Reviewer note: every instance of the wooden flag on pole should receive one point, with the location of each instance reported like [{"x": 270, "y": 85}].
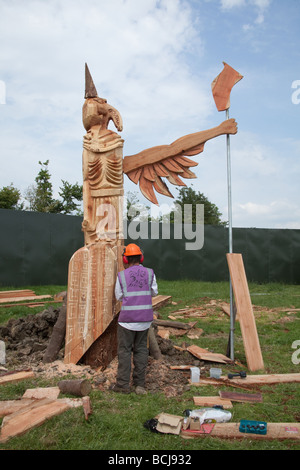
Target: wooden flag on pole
[{"x": 222, "y": 86}]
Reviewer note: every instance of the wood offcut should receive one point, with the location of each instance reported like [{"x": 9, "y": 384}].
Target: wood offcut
[{"x": 245, "y": 311}]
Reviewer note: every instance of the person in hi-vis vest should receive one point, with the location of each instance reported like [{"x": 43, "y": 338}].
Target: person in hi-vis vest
[{"x": 135, "y": 286}]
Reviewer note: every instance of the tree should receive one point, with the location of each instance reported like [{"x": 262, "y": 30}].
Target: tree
[
  {"x": 10, "y": 197},
  {"x": 212, "y": 215},
  {"x": 40, "y": 195},
  {"x": 68, "y": 193},
  {"x": 135, "y": 210}
]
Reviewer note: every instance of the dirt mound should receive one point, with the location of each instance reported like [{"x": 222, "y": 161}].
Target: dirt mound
[{"x": 26, "y": 340}]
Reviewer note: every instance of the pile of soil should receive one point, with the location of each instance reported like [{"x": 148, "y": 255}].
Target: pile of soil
[{"x": 26, "y": 340}]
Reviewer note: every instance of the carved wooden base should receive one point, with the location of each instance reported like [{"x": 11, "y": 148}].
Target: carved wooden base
[
  {"x": 91, "y": 305},
  {"x": 104, "y": 349}
]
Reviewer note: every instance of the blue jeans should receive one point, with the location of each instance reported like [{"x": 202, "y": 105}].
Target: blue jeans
[{"x": 132, "y": 345}]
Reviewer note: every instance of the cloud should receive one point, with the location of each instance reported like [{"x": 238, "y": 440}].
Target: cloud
[
  {"x": 279, "y": 213},
  {"x": 260, "y": 7},
  {"x": 135, "y": 51},
  {"x": 229, "y": 4}
]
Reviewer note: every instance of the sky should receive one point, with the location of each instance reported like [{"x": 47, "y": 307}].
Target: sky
[{"x": 154, "y": 61}]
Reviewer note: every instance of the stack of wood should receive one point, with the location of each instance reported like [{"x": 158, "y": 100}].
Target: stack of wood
[
  {"x": 39, "y": 404},
  {"x": 26, "y": 297}
]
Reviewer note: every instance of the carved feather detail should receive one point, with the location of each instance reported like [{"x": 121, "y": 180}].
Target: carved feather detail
[
  {"x": 170, "y": 161},
  {"x": 150, "y": 176}
]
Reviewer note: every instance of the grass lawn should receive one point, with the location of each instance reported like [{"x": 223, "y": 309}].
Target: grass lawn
[{"x": 117, "y": 421}]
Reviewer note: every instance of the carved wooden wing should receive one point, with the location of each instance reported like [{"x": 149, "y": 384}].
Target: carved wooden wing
[
  {"x": 170, "y": 161},
  {"x": 150, "y": 175}
]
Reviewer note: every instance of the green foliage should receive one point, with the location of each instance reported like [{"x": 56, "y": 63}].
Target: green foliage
[
  {"x": 135, "y": 210},
  {"x": 69, "y": 193},
  {"x": 10, "y": 197},
  {"x": 212, "y": 215},
  {"x": 40, "y": 195}
]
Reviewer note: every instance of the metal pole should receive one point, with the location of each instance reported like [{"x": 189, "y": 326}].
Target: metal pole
[{"x": 230, "y": 241}]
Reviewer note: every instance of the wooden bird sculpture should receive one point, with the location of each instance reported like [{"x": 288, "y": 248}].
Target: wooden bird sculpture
[{"x": 91, "y": 305}]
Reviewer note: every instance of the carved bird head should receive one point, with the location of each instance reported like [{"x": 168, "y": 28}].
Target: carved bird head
[{"x": 96, "y": 111}]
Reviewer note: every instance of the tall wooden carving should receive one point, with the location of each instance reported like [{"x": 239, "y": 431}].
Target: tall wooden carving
[{"x": 91, "y": 306}]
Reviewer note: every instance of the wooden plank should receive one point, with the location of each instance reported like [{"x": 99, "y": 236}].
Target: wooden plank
[
  {"x": 277, "y": 431},
  {"x": 183, "y": 367},
  {"x": 245, "y": 311},
  {"x": 26, "y": 298},
  {"x": 205, "y": 355},
  {"x": 175, "y": 324},
  {"x": 31, "y": 304},
  {"x": 30, "y": 416},
  {"x": 8, "y": 407},
  {"x": 160, "y": 300},
  {"x": 87, "y": 407},
  {"x": 15, "y": 377},
  {"x": 16, "y": 293},
  {"x": 270, "y": 379},
  {"x": 241, "y": 397},
  {"x": 212, "y": 401},
  {"x": 42, "y": 392}
]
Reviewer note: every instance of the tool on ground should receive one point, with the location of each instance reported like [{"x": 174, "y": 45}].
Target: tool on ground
[
  {"x": 254, "y": 427},
  {"x": 241, "y": 374}
]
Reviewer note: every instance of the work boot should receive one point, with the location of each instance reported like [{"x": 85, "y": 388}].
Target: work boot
[
  {"x": 140, "y": 390},
  {"x": 116, "y": 388}
]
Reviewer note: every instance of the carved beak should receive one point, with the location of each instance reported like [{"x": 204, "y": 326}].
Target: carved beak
[{"x": 115, "y": 116}]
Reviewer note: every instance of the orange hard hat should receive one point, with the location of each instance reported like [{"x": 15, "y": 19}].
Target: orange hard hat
[{"x": 132, "y": 250}]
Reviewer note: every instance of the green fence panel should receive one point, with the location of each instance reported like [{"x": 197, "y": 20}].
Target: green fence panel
[{"x": 35, "y": 249}]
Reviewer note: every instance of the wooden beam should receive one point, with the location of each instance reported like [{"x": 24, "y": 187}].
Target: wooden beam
[
  {"x": 212, "y": 401},
  {"x": 4, "y": 294},
  {"x": 245, "y": 311},
  {"x": 175, "y": 324},
  {"x": 241, "y": 397},
  {"x": 32, "y": 415},
  {"x": 270, "y": 379},
  {"x": 276, "y": 431},
  {"x": 160, "y": 300},
  {"x": 205, "y": 355},
  {"x": 26, "y": 298},
  {"x": 15, "y": 376}
]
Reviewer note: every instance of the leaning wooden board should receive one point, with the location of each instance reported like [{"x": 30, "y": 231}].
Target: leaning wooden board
[
  {"x": 231, "y": 430},
  {"x": 205, "y": 355},
  {"x": 245, "y": 311}
]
